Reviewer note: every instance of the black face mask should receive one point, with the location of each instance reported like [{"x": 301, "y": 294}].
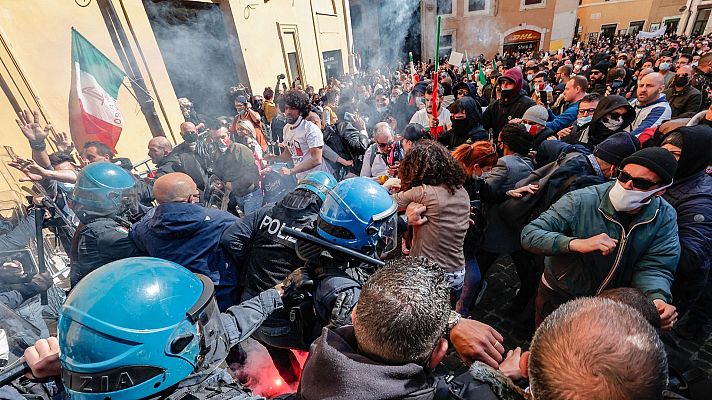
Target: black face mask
[
  {"x": 682, "y": 80},
  {"x": 190, "y": 137},
  {"x": 461, "y": 125},
  {"x": 507, "y": 93}
]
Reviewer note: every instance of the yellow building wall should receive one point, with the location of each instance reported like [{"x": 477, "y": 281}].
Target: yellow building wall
[
  {"x": 37, "y": 67},
  {"x": 621, "y": 12},
  {"x": 36, "y": 59},
  {"x": 263, "y": 29}
]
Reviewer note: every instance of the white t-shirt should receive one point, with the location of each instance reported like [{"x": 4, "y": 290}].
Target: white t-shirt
[
  {"x": 301, "y": 137},
  {"x": 422, "y": 117}
]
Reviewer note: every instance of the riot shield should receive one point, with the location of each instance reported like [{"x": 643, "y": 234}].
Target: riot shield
[
  {"x": 276, "y": 185},
  {"x": 19, "y": 259},
  {"x": 16, "y": 334}
]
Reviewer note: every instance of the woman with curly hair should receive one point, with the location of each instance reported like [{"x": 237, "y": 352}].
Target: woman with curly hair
[{"x": 432, "y": 177}]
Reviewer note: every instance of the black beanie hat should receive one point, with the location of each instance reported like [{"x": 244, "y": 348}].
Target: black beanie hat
[
  {"x": 415, "y": 132},
  {"x": 617, "y": 147},
  {"x": 656, "y": 159}
]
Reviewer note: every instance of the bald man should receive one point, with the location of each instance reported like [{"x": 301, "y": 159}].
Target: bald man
[
  {"x": 186, "y": 233},
  {"x": 190, "y": 157},
  {"x": 685, "y": 101},
  {"x": 158, "y": 149},
  {"x": 587, "y": 347},
  {"x": 651, "y": 106},
  {"x": 175, "y": 187}
]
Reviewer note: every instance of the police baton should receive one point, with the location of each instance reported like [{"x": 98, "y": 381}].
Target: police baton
[
  {"x": 41, "y": 266},
  {"x": 14, "y": 371},
  {"x": 331, "y": 246}
]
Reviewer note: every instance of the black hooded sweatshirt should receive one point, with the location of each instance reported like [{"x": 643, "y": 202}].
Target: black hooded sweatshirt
[
  {"x": 465, "y": 131},
  {"x": 595, "y": 132},
  {"x": 508, "y": 107}
]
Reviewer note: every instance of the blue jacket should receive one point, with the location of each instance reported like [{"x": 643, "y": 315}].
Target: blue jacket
[
  {"x": 189, "y": 234},
  {"x": 565, "y": 119},
  {"x": 646, "y": 256}
]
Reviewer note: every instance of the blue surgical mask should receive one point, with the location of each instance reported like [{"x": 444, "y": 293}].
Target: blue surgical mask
[
  {"x": 584, "y": 120},
  {"x": 664, "y": 66}
]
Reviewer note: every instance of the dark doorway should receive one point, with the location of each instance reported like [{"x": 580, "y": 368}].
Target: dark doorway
[
  {"x": 608, "y": 31},
  {"x": 333, "y": 64},
  {"x": 194, "y": 45}
]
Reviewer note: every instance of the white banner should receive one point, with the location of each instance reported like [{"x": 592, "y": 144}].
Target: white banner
[{"x": 651, "y": 35}]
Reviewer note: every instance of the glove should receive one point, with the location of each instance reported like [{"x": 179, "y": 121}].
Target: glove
[
  {"x": 297, "y": 286},
  {"x": 341, "y": 313},
  {"x": 40, "y": 283}
]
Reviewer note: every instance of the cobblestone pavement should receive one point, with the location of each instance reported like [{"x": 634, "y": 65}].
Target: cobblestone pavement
[{"x": 502, "y": 283}]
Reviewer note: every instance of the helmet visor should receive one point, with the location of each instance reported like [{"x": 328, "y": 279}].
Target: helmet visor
[
  {"x": 387, "y": 235},
  {"x": 212, "y": 337}
]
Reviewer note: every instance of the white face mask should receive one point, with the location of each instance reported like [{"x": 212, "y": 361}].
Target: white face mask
[
  {"x": 612, "y": 124},
  {"x": 620, "y": 63},
  {"x": 584, "y": 120},
  {"x": 624, "y": 200}
]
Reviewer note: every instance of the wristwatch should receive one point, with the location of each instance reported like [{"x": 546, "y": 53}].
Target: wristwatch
[{"x": 452, "y": 320}]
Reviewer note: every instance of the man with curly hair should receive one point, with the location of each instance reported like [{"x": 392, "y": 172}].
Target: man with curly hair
[{"x": 304, "y": 140}]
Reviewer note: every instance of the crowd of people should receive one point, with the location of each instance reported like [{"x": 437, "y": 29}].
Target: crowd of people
[{"x": 358, "y": 223}]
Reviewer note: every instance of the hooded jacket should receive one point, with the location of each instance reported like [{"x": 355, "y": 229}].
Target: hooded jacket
[
  {"x": 645, "y": 258},
  {"x": 471, "y": 129},
  {"x": 499, "y": 113},
  {"x": 335, "y": 370},
  {"x": 595, "y": 132},
  {"x": 189, "y": 234},
  {"x": 472, "y": 88},
  {"x": 691, "y": 196}
]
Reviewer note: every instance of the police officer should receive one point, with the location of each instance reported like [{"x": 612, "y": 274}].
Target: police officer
[
  {"x": 143, "y": 328},
  {"x": 104, "y": 196},
  {"x": 358, "y": 214},
  {"x": 267, "y": 256}
]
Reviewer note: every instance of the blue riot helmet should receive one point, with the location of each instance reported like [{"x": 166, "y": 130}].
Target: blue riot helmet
[
  {"x": 103, "y": 189},
  {"x": 318, "y": 182},
  {"x": 359, "y": 214},
  {"x": 136, "y": 327}
]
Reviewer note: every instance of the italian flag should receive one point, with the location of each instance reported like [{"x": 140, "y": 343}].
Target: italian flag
[{"x": 93, "y": 112}]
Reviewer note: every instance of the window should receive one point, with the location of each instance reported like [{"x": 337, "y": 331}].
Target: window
[
  {"x": 476, "y": 5},
  {"x": 635, "y": 27},
  {"x": 444, "y": 7},
  {"x": 526, "y": 4},
  {"x": 325, "y": 7},
  {"x": 445, "y": 45}
]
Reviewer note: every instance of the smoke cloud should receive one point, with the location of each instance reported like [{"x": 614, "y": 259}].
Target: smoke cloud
[
  {"x": 397, "y": 33},
  {"x": 195, "y": 49}
]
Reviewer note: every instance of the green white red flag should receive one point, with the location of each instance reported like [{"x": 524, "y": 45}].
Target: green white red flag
[{"x": 94, "y": 114}]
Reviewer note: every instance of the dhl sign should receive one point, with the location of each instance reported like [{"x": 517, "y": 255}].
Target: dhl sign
[{"x": 522, "y": 36}]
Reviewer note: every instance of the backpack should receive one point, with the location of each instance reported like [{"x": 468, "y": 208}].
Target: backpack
[{"x": 519, "y": 212}]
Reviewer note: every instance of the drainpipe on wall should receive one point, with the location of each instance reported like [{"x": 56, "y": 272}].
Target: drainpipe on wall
[
  {"x": 128, "y": 60},
  {"x": 349, "y": 37}
]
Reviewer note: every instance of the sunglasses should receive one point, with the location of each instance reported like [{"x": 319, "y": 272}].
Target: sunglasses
[
  {"x": 617, "y": 115},
  {"x": 638, "y": 183},
  {"x": 584, "y": 111}
]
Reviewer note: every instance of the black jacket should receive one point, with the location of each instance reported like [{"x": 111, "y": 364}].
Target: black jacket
[
  {"x": 348, "y": 143},
  {"x": 183, "y": 159},
  {"x": 498, "y": 114},
  {"x": 691, "y": 196},
  {"x": 684, "y": 104},
  {"x": 471, "y": 129},
  {"x": 336, "y": 370}
]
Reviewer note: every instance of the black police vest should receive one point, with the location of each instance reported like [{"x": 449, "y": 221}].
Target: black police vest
[{"x": 273, "y": 257}]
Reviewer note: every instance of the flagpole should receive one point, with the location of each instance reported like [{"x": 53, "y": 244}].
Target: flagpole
[{"x": 435, "y": 97}]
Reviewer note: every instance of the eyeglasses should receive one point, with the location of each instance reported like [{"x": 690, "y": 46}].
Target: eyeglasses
[
  {"x": 585, "y": 111},
  {"x": 382, "y": 145},
  {"x": 616, "y": 115},
  {"x": 638, "y": 183}
]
